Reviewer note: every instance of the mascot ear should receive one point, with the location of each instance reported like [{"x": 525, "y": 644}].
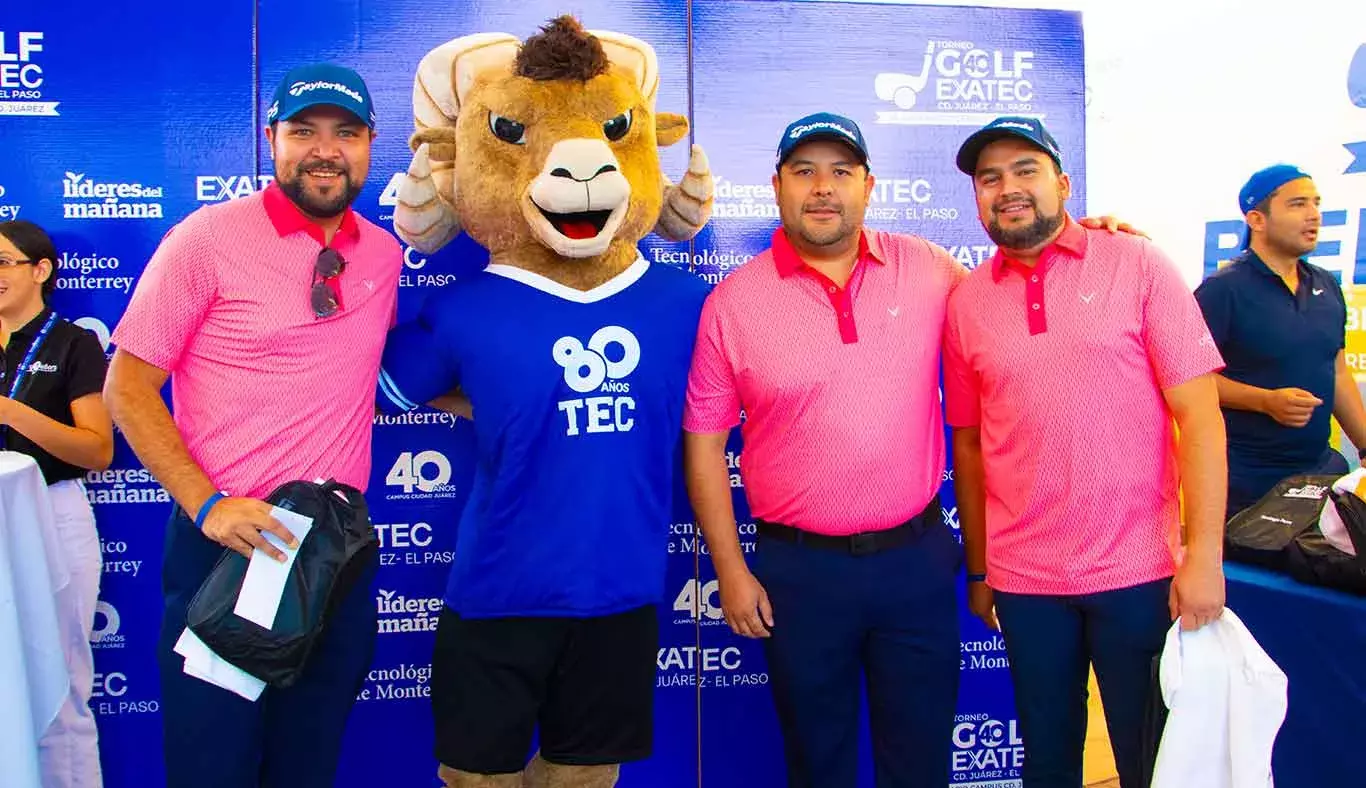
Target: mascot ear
[
  {"x": 670, "y": 128},
  {"x": 425, "y": 215},
  {"x": 635, "y": 57}
]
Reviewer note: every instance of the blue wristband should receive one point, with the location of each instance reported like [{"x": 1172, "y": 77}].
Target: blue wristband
[
  {"x": 977, "y": 578},
  {"x": 204, "y": 510}
]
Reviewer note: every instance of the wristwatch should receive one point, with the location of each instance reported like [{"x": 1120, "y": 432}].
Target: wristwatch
[{"x": 975, "y": 578}]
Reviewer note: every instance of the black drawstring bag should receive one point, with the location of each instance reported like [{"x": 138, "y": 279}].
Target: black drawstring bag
[
  {"x": 1281, "y": 532},
  {"x": 337, "y": 549}
]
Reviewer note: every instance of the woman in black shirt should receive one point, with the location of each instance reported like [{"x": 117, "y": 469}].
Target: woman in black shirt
[{"x": 51, "y": 409}]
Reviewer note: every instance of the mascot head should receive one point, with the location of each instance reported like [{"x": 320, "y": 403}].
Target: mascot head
[{"x": 546, "y": 153}]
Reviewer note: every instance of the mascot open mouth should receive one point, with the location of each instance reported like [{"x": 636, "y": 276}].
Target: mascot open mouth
[{"x": 579, "y": 225}]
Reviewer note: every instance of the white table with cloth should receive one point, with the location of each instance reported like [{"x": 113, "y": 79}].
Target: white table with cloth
[{"x": 33, "y": 674}]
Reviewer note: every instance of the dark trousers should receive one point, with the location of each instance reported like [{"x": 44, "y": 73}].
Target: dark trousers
[
  {"x": 288, "y": 738},
  {"x": 1051, "y": 640},
  {"x": 887, "y": 620}
]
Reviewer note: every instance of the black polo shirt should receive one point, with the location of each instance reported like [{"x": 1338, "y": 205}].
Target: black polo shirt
[
  {"x": 1273, "y": 338},
  {"x": 68, "y": 365}
]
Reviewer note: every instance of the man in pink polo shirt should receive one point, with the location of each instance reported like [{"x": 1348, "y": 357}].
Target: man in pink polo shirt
[
  {"x": 269, "y": 315},
  {"x": 1067, "y": 358},
  {"x": 830, "y": 343}
]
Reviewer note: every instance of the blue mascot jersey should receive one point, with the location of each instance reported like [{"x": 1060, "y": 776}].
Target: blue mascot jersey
[{"x": 578, "y": 411}]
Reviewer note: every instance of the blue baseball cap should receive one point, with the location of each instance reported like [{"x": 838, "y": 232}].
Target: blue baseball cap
[
  {"x": 1263, "y": 184},
  {"x": 822, "y": 126},
  {"x": 321, "y": 84},
  {"x": 1029, "y": 129}
]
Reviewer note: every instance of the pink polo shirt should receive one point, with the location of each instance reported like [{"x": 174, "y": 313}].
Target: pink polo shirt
[
  {"x": 1063, "y": 367},
  {"x": 262, "y": 391},
  {"x": 842, "y": 430}
]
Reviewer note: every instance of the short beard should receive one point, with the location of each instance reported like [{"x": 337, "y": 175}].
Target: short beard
[
  {"x": 1028, "y": 237},
  {"x": 322, "y": 208},
  {"x": 829, "y": 237}
]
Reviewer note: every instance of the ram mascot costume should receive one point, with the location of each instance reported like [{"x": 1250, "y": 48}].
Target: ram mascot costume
[{"x": 573, "y": 351}]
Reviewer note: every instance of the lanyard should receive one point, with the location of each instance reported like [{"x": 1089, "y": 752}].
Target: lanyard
[{"x": 22, "y": 372}]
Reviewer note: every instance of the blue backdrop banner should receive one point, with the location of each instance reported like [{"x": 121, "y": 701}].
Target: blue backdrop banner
[{"x": 126, "y": 119}]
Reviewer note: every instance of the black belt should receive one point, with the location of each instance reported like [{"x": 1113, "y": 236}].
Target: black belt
[{"x": 858, "y": 544}]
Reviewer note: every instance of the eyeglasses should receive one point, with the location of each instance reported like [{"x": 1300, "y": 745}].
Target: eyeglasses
[
  {"x": 7, "y": 263},
  {"x": 325, "y": 295}
]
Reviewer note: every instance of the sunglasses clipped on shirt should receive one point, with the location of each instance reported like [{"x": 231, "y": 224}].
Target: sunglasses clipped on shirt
[{"x": 325, "y": 293}]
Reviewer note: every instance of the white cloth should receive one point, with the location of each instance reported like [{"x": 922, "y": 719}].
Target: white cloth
[
  {"x": 1330, "y": 521},
  {"x": 69, "y": 754},
  {"x": 1227, "y": 700},
  {"x": 34, "y": 680}
]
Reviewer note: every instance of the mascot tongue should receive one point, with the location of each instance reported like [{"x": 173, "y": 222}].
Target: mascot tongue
[
  {"x": 577, "y": 229},
  {"x": 579, "y": 225}
]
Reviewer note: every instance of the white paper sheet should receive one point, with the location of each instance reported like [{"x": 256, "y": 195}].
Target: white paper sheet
[
  {"x": 264, "y": 583},
  {"x": 202, "y": 663}
]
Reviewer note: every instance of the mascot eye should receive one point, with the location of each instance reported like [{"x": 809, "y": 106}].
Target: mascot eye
[
  {"x": 507, "y": 130},
  {"x": 617, "y": 127}
]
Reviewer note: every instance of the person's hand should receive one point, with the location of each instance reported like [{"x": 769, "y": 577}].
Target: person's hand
[
  {"x": 6, "y": 407},
  {"x": 982, "y": 603},
  {"x": 745, "y": 604},
  {"x": 237, "y": 523},
  {"x": 1291, "y": 407},
  {"x": 1109, "y": 224},
  {"x": 1197, "y": 594}
]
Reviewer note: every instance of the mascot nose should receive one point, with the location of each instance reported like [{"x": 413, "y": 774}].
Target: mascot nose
[{"x": 562, "y": 172}]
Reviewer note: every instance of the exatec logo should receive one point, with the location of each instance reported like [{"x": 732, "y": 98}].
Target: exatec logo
[
  {"x": 959, "y": 83},
  {"x": 690, "y": 666},
  {"x": 399, "y": 614},
  {"x": 21, "y": 75},
  {"x": 424, "y": 475},
  {"x": 115, "y": 686},
  {"x": 986, "y": 749},
  {"x": 89, "y": 199},
  {"x": 8, "y": 212},
  {"x": 406, "y": 544},
  {"x": 105, "y": 634},
  {"x": 413, "y": 260},
  {"x": 217, "y": 188},
  {"x": 611, "y": 355}
]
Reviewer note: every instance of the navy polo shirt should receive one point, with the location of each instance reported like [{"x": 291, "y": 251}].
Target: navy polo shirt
[{"x": 1272, "y": 338}]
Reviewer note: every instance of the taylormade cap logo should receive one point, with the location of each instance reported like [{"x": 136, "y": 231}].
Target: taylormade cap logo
[
  {"x": 321, "y": 84},
  {"x": 801, "y": 130},
  {"x": 822, "y": 124},
  {"x": 300, "y": 88}
]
